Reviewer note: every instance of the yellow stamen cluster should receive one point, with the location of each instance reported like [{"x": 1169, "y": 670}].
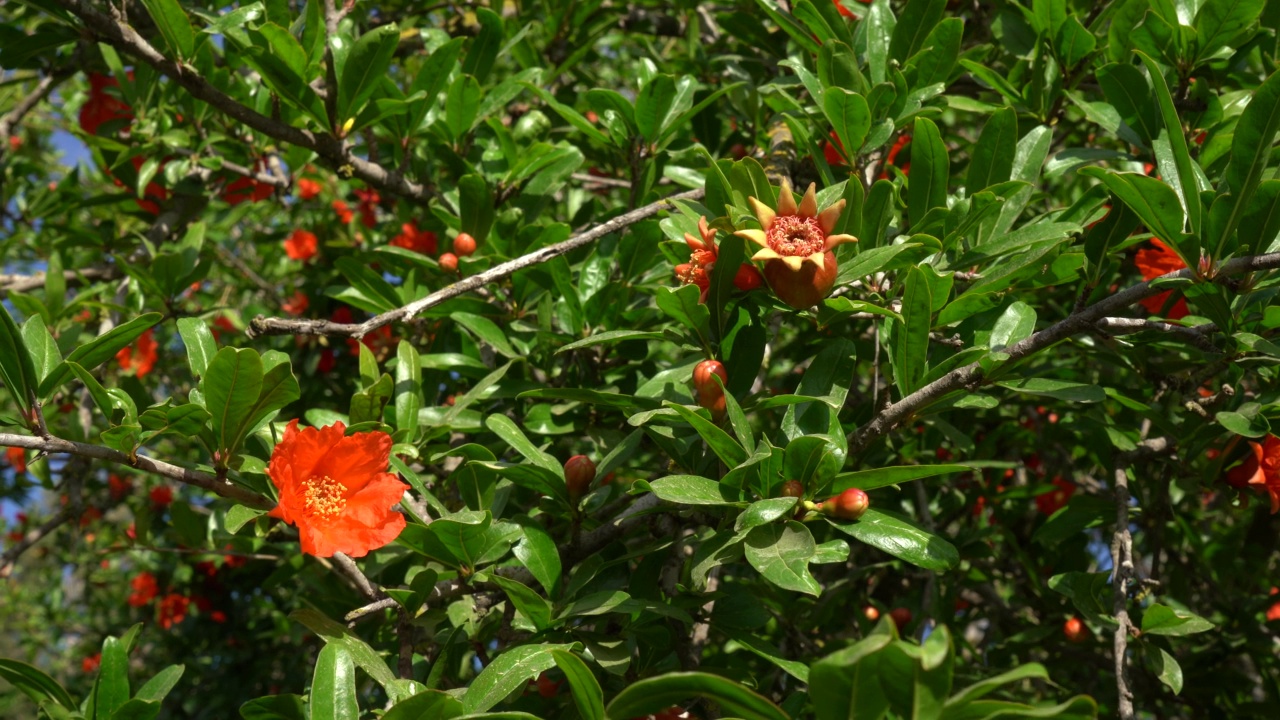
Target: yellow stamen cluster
[{"x": 324, "y": 496}]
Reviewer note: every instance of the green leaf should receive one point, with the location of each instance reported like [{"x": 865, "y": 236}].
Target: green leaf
[
  {"x": 882, "y": 477},
  {"x": 462, "y": 105},
  {"x": 693, "y": 490},
  {"x": 408, "y": 389},
  {"x": 276, "y": 707},
  {"x": 1029, "y": 671},
  {"x": 508, "y": 672},
  {"x": 365, "y": 67},
  {"x": 587, "y": 694},
  {"x": 484, "y": 49},
  {"x": 930, "y": 169},
  {"x": 911, "y": 338},
  {"x": 781, "y": 553},
  {"x": 1090, "y": 593},
  {"x": 1190, "y": 190},
  {"x": 1058, "y": 389},
  {"x": 1073, "y": 42},
  {"x": 112, "y": 687},
  {"x": 1219, "y": 23},
  {"x": 992, "y": 161},
  {"x": 902, "y": 539},
  {"x": 846, "y": 684},
  {"x": 849, "y": 115},
  {"x": 432, "y": 704},
  {"x": 1154, "y": 202},
  {"x": 16, "y": 366},
  {"x": 1163, "y": 620},
  {"x": 917, "y": 20},
  {"x": 158, "y": 687},
  {"x": 475, "y": 211},
  {"x": 41, "y": 346},
  {"x": 539, "y": 554},
  {"x": 174, "y": 26},
  {"x": 1166, "y": 668},
  {"x": 682, "y": 305},
  {"x": 763, "y": 649},
  {"x": 724, "y": 446},
  {"x": 532, "y": 605},
  {"x": 333, "y": 685},
  {"x": 34, "y": 683},
  {"x": 97, "y": 351},
  {"x": 506, "y": 429},
  {"x": 364, "y": 656},
  {"x": 653, "y": 105},
  {"x": 231, "y": 389},
  {"x": 653, "y": 695},
  {"x": 1251, "y": 149},
  {"x": 201, "y": 347}
]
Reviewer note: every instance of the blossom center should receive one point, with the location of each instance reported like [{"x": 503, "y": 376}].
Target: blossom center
[
  {"x": 796, "y": 236},
  {"x": 323, "y": 496}
]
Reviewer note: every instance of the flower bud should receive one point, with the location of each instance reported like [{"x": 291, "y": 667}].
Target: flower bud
[
  {"x": 579, "y": 471},
  {"x": 848, "y": 505}
]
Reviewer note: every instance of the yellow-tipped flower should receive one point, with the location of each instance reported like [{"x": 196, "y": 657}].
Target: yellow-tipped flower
[{"x": 795, "y": 245}]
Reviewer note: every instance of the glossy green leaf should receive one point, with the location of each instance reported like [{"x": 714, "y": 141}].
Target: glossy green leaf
[
  {"x": 693, "y": 490},
  {"x": 882, "y": 477},
  {"x": 917, "y": 20},
  {"x": 587, "y": 695},
  {"x": 432, "y": 704},
  {"x": 408, "y": 389},
  {"x": 652, "y": 695},
  {"x": 992, "y": 161},
  {"x": 275, "y": 707},
  {"x": 1163, "y": 620},
  {"x": 930, "y": 170},
  {"x": 333, "y": 685},
  {"x": 911, "y": 338},
  {"x": 366, "y": 65},
  {"x": 199, "y": 343},
  {"x": 781, "y": 553},
  {"x": 34, "y": 683},
  {"x": 902, "y": 539},
  {"x": 173, "y": 25},
  {"x": 849, "y": 115},
  {"x": 725, "y": 447},
  {"x": 231, "y": 388},
  {"x": 508, "y": 671}
]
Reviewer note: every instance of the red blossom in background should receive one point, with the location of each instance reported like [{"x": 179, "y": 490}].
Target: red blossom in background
[
  {"x": 139, "y": 357},
  {"x": 903, "y": 142},
  {"x": 301, "y": 245},
  {"x": 172, "y": 610},
  {"x": 1051, "y": 502},
  {"x": 367, "y": 205},
  {"x": 1260, "y": 469},
  {"x": 296, "y": 305},
  {"x": 17, "y": 458},
  {"x": 102, "y": 107},
  {"x": 1154, "y": 262},
  {"x": 308, "y": 189},
  {"x": 344, "y": 212},
  {"x": 246, "y": 189},
  {"x": 161, "y": 496},
  {"x": 119, "y": 486},
  {"x": 144, "y": 587},
  {"x": 91, "y": 663},
  {"x": 411, "y": 238}
]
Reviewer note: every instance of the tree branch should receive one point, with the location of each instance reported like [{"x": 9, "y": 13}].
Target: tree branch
[
  {"x": 286, "y": 326},
  {"x": 1197, "y": 335},
  {"x": 25, "y": 105},
  {"x": 141, "y": 462},
  {"x": 972, "y": 376},
  {"x": 332, "y": 150},
  {"x": 35, "y": 281}
]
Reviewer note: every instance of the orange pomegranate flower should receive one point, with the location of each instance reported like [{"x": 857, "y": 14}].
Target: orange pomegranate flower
[
  {"x": 411, "y": 238},
  {"x": 17, "y": 458},
  {"x": 1154, "y": 262},
  {"x": 172, "y": 610},
  {"x": 144, "y": 587},
  {"x": 344, "y": 212},
  {"x": 702, "y": 260},
  {"x": 141, "y": 356},
  {"x": 297, "y": 304},
  {"x": 796, "y": 244},
  {"x": 300, "y": 245},
  {"x": 336, "y": 489},
  {"x": 1261, "y": 469},
  {"x": 308, "y": 188}
]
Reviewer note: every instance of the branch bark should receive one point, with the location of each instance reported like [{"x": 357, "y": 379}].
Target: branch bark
[
  {"x": 141, "y": 462},
  {"x": 35, "y": 281},
  {"x": 972, "y": 375},
  {"x": 286, "y": 326}
]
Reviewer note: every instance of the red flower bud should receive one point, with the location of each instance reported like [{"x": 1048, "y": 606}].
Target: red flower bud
[
  {"x": 579, "y": 471},
  {"x": 793, "y": 488},
  {"x": 748, "y": 278},
  {"x": 900, "y": 617},
  {"x": 1075, "y": 630},
  {"x": 702, "y": 376},
  {"x": 848, "y": 505},
  {"x": 449, "y": 263},
  {"x": 871, "y": 613}
]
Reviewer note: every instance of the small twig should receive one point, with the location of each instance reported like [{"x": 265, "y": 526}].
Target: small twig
[
  {"x": 1197, "y": 335},
  {"x": 348, "y": 569},
  {"x": 26, "y": 283},
  {"x": 141, "y": 462},
  {"x": 599, "y": 180},
  {"x": 10, "y": 556},
  {"x": 287, "y": 326}
]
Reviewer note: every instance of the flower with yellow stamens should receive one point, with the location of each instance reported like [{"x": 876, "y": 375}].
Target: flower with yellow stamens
[{"x": 795, "y": 245}]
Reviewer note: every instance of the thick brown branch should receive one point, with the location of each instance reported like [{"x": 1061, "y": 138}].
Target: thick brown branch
[
  {"x": 971, "y": 376},
  {"x": 329, "y": 148},
  {"x": 1197, "y": 335},
  {"x": 285, "y": 326},
  {"x": 141, "y": 462}
]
